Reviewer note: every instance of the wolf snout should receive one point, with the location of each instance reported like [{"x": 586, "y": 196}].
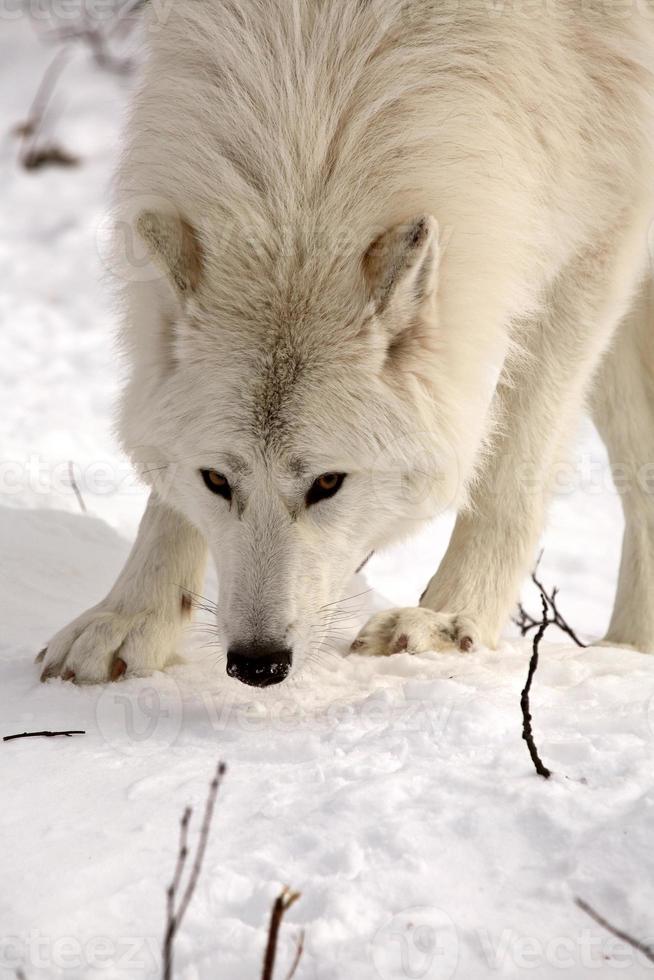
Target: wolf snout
[{"x": 259, "y": 664}]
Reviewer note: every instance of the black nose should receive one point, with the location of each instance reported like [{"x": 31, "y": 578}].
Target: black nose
[{"x": 259, "y": 664}]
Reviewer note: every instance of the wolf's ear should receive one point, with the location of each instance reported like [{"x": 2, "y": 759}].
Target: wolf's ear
[
  {"x": 401, "y": 268},
  {"x": 174, "y": 245}
]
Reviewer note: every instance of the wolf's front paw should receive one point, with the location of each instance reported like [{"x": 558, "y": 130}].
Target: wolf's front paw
[
  {"x": 415, "y": 630},
  {"x": 106, "y": 644}
]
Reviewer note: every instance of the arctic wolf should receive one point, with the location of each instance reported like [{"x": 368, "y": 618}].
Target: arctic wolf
[{"x": 393, "y": 250}]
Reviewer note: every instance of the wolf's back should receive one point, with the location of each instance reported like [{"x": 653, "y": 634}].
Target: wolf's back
[{"x": 325, "y": 120}]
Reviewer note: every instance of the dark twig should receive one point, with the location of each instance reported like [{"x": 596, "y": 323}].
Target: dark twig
[
  {"x": 281, "y": 905},
  {"x": 174, "y": 916},
  {"x": 526, "y": 622},
  {"x": 98, "y": 37},
  {"x": 299, "y": 949},
  {"x": 10, "y": 738},
  {"x": 97, "y": 40},
  {"x": 73, "y": 483},
  {"x": 43, "y": 95},
  {"x": 182, "y": 854},
  {"x": 35, "y": 152},
  {"x": 32, "y": 156},
  {"x": 527, "y": 732},
  {"x": 48, "y": 156},
  {"x": 647, "y": 951}
]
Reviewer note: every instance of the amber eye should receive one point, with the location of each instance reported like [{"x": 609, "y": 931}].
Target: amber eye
[
  {"x": 325, "y": 486},
  {"x": 217, "y": 483}
]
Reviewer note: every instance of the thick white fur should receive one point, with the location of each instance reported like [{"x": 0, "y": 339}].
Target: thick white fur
[{"x": 289, "y": 135}]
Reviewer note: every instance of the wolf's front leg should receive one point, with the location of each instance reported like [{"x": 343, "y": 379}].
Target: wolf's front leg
[
  {"x": 537, "y": 402},
  {"x": 468, "y": 600},
  {"x": 135, "y": 630}
]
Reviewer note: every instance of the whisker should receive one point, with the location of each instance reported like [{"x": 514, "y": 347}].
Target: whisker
[
  {"x": 337, "y": 615},
  {"x": 343, "y": 624},
  {"x": 347, "y": 599},
  {"x": 200, "y": 601}
]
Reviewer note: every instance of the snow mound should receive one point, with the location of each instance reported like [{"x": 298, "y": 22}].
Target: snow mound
[{"x": 395, "y": 794}]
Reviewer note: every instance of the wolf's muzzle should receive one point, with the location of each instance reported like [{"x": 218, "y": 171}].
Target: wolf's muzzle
[{"x": 259, "y": 665}]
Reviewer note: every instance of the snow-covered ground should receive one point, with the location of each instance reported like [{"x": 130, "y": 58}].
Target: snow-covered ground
[{"x": 396, "y": 794}]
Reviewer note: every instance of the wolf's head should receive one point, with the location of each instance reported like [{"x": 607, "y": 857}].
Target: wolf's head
[{"x": 300, "y": 415}]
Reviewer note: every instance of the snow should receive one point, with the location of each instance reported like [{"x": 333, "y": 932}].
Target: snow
[{"x": 395, "y": 794}]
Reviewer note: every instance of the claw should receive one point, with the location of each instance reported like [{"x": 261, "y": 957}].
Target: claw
[
  {"x": 40, "y": 657},
  {"x": 68, "y": 675},
  {"x": 118, "y": 668},
  {"x": 466, "y": 644},
  {"x": 401, "y": 644}
]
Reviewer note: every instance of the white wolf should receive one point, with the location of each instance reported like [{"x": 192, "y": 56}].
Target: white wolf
[{"x": 397, "y": 246}]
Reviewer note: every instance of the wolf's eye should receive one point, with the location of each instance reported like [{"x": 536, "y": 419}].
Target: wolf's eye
[
  {"x": 217, "y": 483},
  {"x": 325, "y": 486}
]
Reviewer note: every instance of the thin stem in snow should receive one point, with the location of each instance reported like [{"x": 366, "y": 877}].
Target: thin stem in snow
[
  {"x": 527, "y": 731},
  {"x": 281, "y": 905},
  {"x": 175, "y": 916},
  {"x": 647, "y": 951}
]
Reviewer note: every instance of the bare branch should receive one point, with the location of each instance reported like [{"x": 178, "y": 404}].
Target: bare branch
[
  {"x": 179, "y": 869},
  {"x": 281, "y": 905},
  {"x": 31, "y": 156},
  {"x": 89, "y": 33},
  {"x": 174, "y": 916},
  {"x": 202, "y": 843},
  {"x": 48, "y": 156},
  {"x": 299, "y": 949},
  {"x": 10, "y": 738},
  {"x": 34, "y": 152},
  {"x": 643, "y": 948},
  {"x": 526, "y": 622},
  {"x": 527, "y": 732},
  {"x": 73, "y": 483}
]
